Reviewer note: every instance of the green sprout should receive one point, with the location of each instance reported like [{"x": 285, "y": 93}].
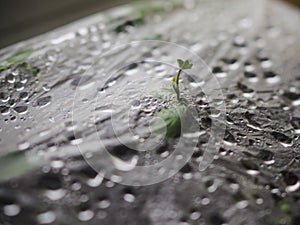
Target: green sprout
[
  {"x": 168, "y": 121},
  {"x": 19, "y": 58},
  {"x": 16, "y": 164},
  {"x": 183, "y": 65},
  {"x": 138, "y": 13}
]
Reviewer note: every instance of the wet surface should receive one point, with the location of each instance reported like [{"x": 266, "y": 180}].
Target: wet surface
[{"x": 84, "y": 82}]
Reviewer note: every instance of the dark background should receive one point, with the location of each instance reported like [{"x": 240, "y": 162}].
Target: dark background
[{"x": 22, "y": 19}]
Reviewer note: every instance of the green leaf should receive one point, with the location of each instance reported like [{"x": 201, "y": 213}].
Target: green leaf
[
  {"x": 168, "y": 122},
  {"x": 184, "y": 65},
  {"x": 19, "y": 56},
  {"x": 180, "y": 63},
  {"x": 16, "y": 164}
]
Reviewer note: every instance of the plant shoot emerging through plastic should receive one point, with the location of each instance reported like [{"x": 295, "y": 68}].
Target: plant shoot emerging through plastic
[{"x": 168, "y": 121}]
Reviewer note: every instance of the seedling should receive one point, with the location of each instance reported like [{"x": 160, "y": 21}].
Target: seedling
[
  {"x": 19, "y": 58},
  {"x": 168, "y": 121},
  {"x": 183, "y": 65}
]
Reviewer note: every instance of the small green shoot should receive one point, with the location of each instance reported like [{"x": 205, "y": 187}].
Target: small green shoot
[
  {"x": 20, "y": 56},
  {"x": 139, "y": 12},
  {"x": 168, "y": 122},
  {"x": 17, "y": 163},
  {"x": 163, "y": 6},
  {"x": 16, "y": 58},
  {"x": 183, "y": 65}
]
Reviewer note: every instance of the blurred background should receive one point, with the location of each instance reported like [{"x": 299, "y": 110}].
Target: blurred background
[{"x": 22, "y": 19}]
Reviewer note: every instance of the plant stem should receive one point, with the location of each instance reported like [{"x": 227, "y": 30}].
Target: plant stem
[
  {"x": 178, "y": 76},
  {"x": 176, "y": 83}
]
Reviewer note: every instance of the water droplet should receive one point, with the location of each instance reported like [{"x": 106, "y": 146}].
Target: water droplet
[
  {"x": 249, "y": 67},
  {"x": 43, "y": 101},
  {"x": 57, "y": 164},
  {"x": 76, "y": 186},
  {"x": 124, "y": 159},
  {"x": 187, "y": 172},
  {"x": 55, "y": 195},
  {"x": 21, "y": 109},
  {"x": 131, "y": 69},
  {"x": 247, "y": 92},
  {"x": 24, "y": 96},
  {"x": 195, "y": 215},
  {"x": 292, "y": 181},
  {"x": 266, "y": 156},
  {"x": 252, "y": 77},
  {"x": 271, "y": 77},
  {"x": 19, "y": 86},
  {"x": 16, "y": 72},
  {"x": 292, "y": 97},
  {"x": 218, "y": 71},
  {"x": 23, "y": 145},
  {"x": 229, "y": 138},
  {"x": 46, "y": 217},
  {"x": 296, "y": 124},
  {"x": 129, "y": 197},
  {"x": 10, "y": 79},
  {"x": 11, "y": 210},
  {"x": 282, "y": 139},
  {"x": 242, "y": 204},
  {"x": 250, "y": 166},
  {"x": 4, "y": 110},
  {"x": 267, "y": 64},
  {"x": 4, "y": 97},
  {"x": 85, "y": 215},
  {"x": 239, "y": 41},
  {"x": 104, "y": 203},
  {"x": 205, "y": 201},
  {"x": 46, "y": 88},
  {"x": 95, "y": 182}
]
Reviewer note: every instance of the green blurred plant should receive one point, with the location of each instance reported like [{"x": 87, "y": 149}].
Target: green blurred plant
[
  {"x": 19, "y": 58},
  {"x": 17, "y": 163},
  {"x": 168, "y": 122}
]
